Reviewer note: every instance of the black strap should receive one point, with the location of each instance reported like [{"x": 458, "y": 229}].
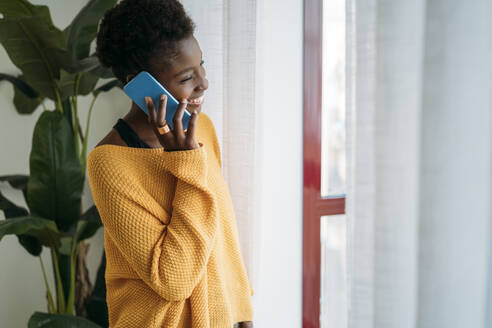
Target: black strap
[{"x": 128, "y": 135}]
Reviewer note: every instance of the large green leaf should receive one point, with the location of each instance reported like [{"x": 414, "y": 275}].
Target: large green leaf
[
  {"x": 67, "y": 111},
  {"x": 10, "y": 210},
  {"x": 97, "y": 308},
  {"x": 56, "y": 181},
  {"x": 103, "y": 72},
  {"x": 17, "y": 181},
  {"x": 24, "y": 104},
  {"x": 30, "y": 243},
  {"x": 48, "y": 320},
  {"x": 83, "y": 28},
  {"x": 108, "y": 86},
  {"x": 87, "y": 82},
  {"x": 23, "y": 8},
  {"x": 65, "y": 246},
  {"x": 88, "y": 224},
  {"x": 68, "y": 82},
  {"x": 19, "y": 83},
  {"x": 26, "y": 99},
  {"x": 43, "y": 229},
  {"x": 37, "y": 49},
  {"x": 64, "y": 264},
  {"x": 84, "y": 65}
]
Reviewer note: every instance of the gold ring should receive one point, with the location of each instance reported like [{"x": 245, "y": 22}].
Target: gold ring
[{"x": 163, "y": 129}]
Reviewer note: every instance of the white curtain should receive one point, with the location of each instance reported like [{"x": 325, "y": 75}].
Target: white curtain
[
  {"x": 419, "y": 142},
  {"x": 226, "y": 31},
  {"x": 240, "y": 115}
]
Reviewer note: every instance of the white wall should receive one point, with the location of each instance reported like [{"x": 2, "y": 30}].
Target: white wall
[
  {"x": 277, "y": 298},
  {"x": 279, "y": 86}
]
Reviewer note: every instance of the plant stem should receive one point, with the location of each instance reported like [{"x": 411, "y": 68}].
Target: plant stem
[
  {"x": 75, "y": 125},
  {"x": 71, "y": 293},
  {"x": 59, "y": 287},
  {"x": 84, "y": 146},
  {"x": 80, "y": 132},
  {"x": 58, "y": 99},
  {"x": 51, "y": 304},
  {"x": 75, "y": 102}
]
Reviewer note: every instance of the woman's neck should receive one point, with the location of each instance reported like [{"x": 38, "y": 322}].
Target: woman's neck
[{"x": 138, "y": 120}]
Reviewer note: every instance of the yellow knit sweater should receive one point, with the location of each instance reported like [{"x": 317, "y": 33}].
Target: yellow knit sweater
[{"x": 170, "y": 236}]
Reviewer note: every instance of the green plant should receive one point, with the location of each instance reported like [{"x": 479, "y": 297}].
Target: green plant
[{"x": 56, "y": 65}]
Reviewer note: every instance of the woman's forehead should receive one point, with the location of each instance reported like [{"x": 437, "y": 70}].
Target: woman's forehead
[
  {"x": 188, "y": 49},
  {"x": 188, "y": 54}
]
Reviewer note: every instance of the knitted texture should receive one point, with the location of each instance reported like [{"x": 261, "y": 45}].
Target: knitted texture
[{"x": 170, "y": 236}]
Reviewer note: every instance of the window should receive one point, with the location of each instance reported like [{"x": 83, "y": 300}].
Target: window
[{"x": 324, "y": 224}]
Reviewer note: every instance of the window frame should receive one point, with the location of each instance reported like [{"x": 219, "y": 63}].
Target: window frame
[{"x": 314, "y": 205}]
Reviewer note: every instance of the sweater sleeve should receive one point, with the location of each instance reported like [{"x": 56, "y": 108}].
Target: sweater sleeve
[{"x": 169, "y": 251}]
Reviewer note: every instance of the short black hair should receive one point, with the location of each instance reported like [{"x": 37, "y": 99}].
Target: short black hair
[{"x": 134, "y": 31}]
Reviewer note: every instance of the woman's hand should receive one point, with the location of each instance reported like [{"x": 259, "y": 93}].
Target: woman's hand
[{"x": 175, "y": 139}]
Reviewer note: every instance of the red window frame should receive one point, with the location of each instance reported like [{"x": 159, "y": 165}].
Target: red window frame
[{"x": 314, "y": 205}]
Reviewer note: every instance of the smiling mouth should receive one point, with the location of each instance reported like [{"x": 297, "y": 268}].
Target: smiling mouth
[{"x": 195, "y": 101}]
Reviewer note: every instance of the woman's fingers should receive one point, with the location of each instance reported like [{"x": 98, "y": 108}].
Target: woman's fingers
[
  {"x": 190, "y": 132},
  {"x": 150, "y": 108},
  {"x": 175, "y": 139},
  {"x": 161, "y": 115},
  {"x": 166, "y": 139},
  {"x": 178, "y": 124}
]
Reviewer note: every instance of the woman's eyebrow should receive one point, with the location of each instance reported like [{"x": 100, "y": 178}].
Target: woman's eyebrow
[{"x": 186, "y": 69}]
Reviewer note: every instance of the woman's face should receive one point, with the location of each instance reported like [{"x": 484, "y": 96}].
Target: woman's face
[{"x": 184, "y": 75}]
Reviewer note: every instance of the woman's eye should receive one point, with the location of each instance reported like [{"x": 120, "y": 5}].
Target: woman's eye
[{"x": 188, "y": 78}]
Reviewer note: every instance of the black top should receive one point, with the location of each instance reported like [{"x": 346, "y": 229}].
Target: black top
[{"x": 128, "y": 135}]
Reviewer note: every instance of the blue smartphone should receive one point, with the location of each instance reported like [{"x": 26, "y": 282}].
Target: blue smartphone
[{"x": 144, "y": 84}]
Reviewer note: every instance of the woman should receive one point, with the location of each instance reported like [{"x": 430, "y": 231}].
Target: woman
[{"x": 170, "y": 234}]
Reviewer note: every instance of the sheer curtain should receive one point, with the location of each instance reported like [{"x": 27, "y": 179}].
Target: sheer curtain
[
  {"x": 226, "y": 30},
  {"x": 419, "y": 143}
]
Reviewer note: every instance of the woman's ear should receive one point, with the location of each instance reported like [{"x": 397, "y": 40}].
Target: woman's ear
[{"x": 129, "y": 77}]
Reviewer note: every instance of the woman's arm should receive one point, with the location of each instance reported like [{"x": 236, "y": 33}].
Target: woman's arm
[{"x": 168, "y": 252}]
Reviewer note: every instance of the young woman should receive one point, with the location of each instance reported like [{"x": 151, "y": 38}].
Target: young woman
[{"x": 170, "y": 233}]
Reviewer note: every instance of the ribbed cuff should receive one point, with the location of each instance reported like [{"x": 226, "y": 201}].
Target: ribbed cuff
[{"x": 188, "y": 165}]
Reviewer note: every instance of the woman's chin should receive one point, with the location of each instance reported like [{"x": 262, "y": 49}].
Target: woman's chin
[{"x": 191, "y": 108}]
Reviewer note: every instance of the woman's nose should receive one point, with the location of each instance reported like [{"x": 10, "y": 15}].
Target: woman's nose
[{"x": 203, "y": 84}]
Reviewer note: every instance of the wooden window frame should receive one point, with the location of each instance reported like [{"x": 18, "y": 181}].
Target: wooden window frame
[{"x": 314, "y": 205}]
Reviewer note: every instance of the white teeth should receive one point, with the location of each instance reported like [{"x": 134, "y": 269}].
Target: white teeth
[{"x": 196, "y": 100}]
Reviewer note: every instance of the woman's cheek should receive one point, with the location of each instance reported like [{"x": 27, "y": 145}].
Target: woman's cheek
[
  {"x": 183, "y": 92},
  {"x": 177, "y": 93}
]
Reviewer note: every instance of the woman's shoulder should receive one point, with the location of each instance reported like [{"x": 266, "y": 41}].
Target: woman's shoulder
[
  {"x": 106, "y": 153},
  {"x": 108, "y": 142},
  {"x": 112, "y": 138}
]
